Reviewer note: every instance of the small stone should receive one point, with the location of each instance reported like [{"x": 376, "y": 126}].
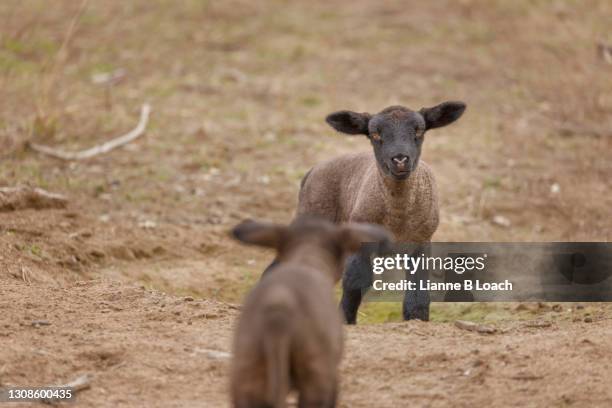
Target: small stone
[
  {"x": 214, "y": 354},
  {"x": 588, "y": 319},
  {"x": 188, "y": 299},
  {"x": 538, "y": 324},
  {"x": 147, "y": 224},
  {"x": 97, "y": 254},
  {"x": 501, "y": 221},
  {"x": 555, "y": 188}
]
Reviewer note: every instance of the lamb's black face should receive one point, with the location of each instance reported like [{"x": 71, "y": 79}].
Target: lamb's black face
[
  {"x": 397, "y": 136},
  {"x": 397, "y": 132}
]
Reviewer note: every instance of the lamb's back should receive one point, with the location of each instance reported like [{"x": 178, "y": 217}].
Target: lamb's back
[{"x": 329, "y": 187}]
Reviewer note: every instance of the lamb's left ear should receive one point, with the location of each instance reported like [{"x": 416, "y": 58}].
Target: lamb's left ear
[
  {"x": 352, "y": 123},
  {"x": 260, "y": 233},
  {"x": 442, "y": 114}
]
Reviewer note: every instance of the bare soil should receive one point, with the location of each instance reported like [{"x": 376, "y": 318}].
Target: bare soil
[
  {"x": 239, "y": 91},
  {"x": 147, "y": 348}
]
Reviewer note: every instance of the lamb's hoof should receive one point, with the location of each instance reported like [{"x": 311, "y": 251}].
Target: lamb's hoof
[
  {"x": 417, "y": 314},
  {"x": 349, "y": 318}
]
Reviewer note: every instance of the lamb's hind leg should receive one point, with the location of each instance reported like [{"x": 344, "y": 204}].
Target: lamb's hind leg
[{"x": 319, "y": 396}]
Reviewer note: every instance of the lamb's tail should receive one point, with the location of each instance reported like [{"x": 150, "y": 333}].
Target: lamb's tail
[{"x": 279, "y": 313}]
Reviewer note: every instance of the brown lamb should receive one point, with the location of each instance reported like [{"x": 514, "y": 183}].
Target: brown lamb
[
  {"x": 289, "y": 336},
  {"x": 391, "y": 187}
]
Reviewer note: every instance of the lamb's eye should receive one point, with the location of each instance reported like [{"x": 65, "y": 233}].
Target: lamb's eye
[{"x": 376, "y": 136}]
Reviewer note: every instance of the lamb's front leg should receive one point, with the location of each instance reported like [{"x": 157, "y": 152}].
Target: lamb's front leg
[
  {"x": 416, "y": 302},
  {"x": 356, "y": 278}
]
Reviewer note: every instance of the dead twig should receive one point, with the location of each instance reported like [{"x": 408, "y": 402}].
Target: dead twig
[
  {"x": 19, "y": 198},
  {"x": 214, "y": 354},
  {"x": 25, "y": 275},
  {"x": 79, "y": 384},
  {"x": 99, "y": 149},
  {"x": 527, "y": 377},
  {"x": 605, "y": 52},
  {"x": 569, "y": 129},
  {"x": 538, "y": 324},
  {"x": 471, "y": 326},
  {"x": 38, "y": 323},
  {"x": 53, "y": 67}
]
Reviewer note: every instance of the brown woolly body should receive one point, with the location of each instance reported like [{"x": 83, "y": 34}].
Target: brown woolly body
[
  {"x": 289, "y": 336},
  {"x": 314, "y": 336},
  {"x": 352, "y": 188}
]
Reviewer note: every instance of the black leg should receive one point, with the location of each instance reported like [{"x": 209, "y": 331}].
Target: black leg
[
  {"x": 416, "y": 302},
  {"x": 356, "y": 279},
  {"x": 351, "y": 299}
]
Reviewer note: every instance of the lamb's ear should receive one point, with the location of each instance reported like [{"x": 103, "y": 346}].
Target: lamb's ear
[
  {"x": 442, "y": 114},
  {"x": 354, "y": 234},
  {"x": 352, "y": 123},
  {"x": 260, "y": 233}
]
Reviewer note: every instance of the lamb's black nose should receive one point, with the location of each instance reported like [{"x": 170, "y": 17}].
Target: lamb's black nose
[{"x": 401, "y": 161}]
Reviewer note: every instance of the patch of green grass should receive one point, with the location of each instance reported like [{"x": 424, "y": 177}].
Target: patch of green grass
[
  {"x": 492, "y": 182},
  {"x": 31, "y": 48},
  {"x": 33, "y": 173},
  {"x": 36, "y": 250},
  {"x": 381, "y": 312},
  {"x": 101, "y": 68},
  {"x": 11, "y": 64},
  {"x": 310, "y": 101},
  {"x": 163, "y": 174},
  {"x": 25, "y": 56},
  {"x": 136, "y": 196}
]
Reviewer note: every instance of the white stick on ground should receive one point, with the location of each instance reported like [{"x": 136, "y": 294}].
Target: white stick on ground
[
  {"x": 22, "y": 197},
  {"x": 475, "y": 327},
  {"x": 79, "y": 384},
  {"x": 99, "y": 149}
]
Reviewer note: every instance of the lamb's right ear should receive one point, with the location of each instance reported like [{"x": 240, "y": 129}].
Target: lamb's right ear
[
  {"x": 352, "y": 123},
  {"x": 442, "y": 114},
  {"x": 259, "y": 233},
  {"x": 354, "y": 234}
]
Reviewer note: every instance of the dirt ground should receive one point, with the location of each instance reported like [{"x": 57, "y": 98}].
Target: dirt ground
[{"x": 137, "y": 275}]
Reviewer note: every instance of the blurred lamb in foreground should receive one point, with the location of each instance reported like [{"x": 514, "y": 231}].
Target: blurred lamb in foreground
[{"x": 289, "y": 335}]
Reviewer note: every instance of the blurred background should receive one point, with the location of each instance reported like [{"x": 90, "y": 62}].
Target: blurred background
[{"x": 239, "y": 90}]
